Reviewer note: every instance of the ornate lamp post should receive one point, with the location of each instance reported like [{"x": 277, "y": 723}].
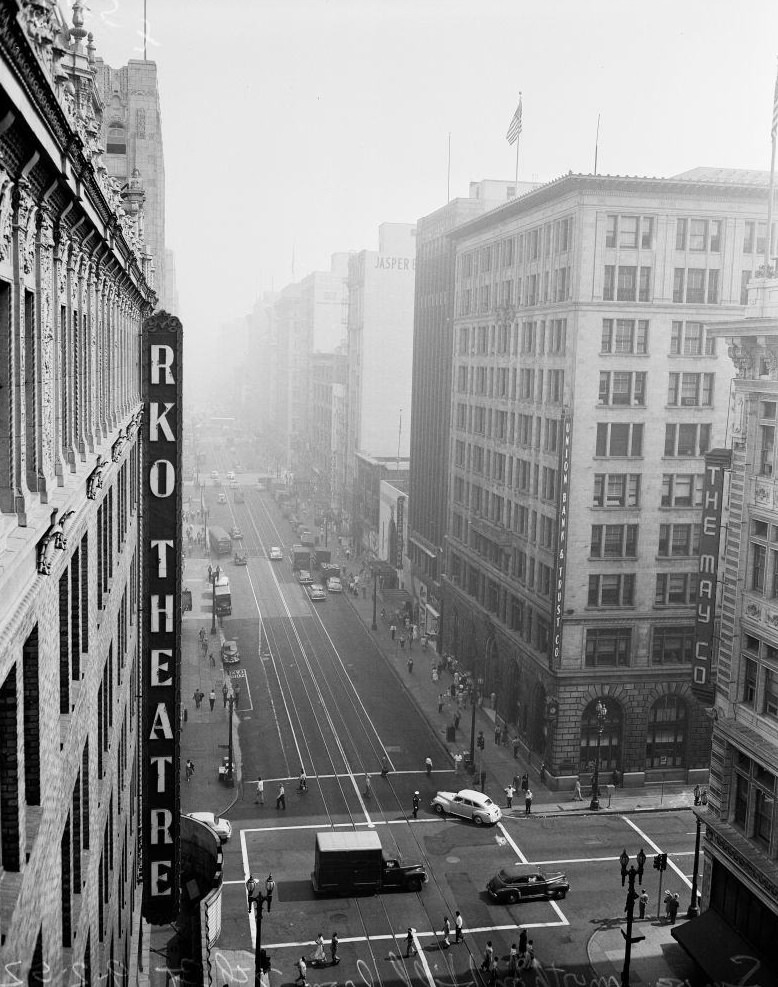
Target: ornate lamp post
[
  {"x": 213, "y": 603},
  {"x": 256, "y": 899},
  {"x": 601, "y": 711},
  {"x": 694, "y": 910},
  {"x": 230, "y": 751},
  {"x": 629, "y": 908}
]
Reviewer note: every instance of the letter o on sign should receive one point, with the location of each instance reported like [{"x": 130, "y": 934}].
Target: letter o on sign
[{"x": 162, "y": 478}]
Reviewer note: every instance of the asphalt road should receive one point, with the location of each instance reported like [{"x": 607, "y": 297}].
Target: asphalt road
[{"x": 316, "y": 692}]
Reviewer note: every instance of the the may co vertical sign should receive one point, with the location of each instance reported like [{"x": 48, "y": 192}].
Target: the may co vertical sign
[{"x": 161, "y": 642}]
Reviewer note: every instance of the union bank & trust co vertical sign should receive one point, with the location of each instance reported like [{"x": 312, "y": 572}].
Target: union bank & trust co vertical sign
[
  {"x": 717, "y": 461},
  {"x": 161, "y": 625},
  {"x": 561, "y": 540}
]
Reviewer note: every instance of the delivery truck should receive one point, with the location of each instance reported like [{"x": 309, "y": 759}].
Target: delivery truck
[
  {"x": 300, "y": 557},
  {"x": 355, "y": 863},
  {"x": 322, "y": 555}
]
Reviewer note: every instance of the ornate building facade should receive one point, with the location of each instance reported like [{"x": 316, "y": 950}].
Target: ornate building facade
[{"x": 75, "y": 286}]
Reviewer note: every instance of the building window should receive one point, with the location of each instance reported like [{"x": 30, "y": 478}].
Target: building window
[
  {"x": 690, "y": 390},
  {"x": 690, "y": 339},
  {"x": 687, "y": 440},
  {"x": 754, "y": 239},
  {"x": 608, "y": 647},
  {"x": 616, "y": 490},
  {"x": 116, "y": 139},
  {"x": 666, "y": 740},
  {"x": 675, "y": 589},
  {"x": 749, "y": 682},
  {"x": 614, "y": 541},
  {"x": 627, "y": 284},
  {"x": 740, "y": 802},
  {"x": 609, "y": 283},
  {"x": 681, "y": 226},
  {"x": 770, "y": 699},
  {"x": 609, "y": 741},
  {"x": 682, "y": 490},
  {"x": 619, "y": 439},
  {"x": 622, "y": 388},
  {"x": 624, "y": 336},
  {"x": 672, "y": 645},
  {"x": 758, "y": 567},
  {"x": 766, "y": 449},
  {"x": 764, "y": 809},
  {"x": 702, "y": 286},
  {"x": 678, "y": 540},
  {"x": 612, "y": 590},
  {"x": 644, "y": 288}
]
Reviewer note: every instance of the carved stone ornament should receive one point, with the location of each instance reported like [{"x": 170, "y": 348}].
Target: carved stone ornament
[
  {"x": 744, "y": 363},
  {"x": 753, "y": 611},
  {"x": 769, "y": 363},
  {"x": 6, "y": 216},
  {"x": 94, "y": 481},
  {"x": 763, "y": 492},
  {"x": 54, "y": 538}
]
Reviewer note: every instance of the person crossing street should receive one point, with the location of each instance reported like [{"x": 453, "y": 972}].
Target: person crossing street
[{"x": 416, "y": 802}]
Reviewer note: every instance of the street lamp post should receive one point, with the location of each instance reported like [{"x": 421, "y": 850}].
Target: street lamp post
[
  {"x": 256, "y": 899},
  {"x": 602, "y": 711},
  {"x": 694, "y": 910},
  {"x": 230, "y": 751},
  {"x": 374, "y": 625},
  {"x": 629, "y": 908},
  {"x": 213, "y": 603}
]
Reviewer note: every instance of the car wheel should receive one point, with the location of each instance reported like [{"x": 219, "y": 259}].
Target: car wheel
[
  {"x": 414, "y": 884},
  {"x": 439, "y": 809},
  {"x": 513, "y": 898},
  {"x": 478, "y": 820},
  {"x": 561, "y": 893}
]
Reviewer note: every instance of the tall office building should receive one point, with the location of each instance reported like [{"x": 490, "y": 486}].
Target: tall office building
[
  {"x": 739, "y": 880},
  {"x": 431, "y": 396},
  {"x": 586, "y": 393},
  {"x": 72, "y": 304}
]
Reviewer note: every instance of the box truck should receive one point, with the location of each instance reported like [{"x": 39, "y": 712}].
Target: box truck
[{"x": 352, "y": 863}]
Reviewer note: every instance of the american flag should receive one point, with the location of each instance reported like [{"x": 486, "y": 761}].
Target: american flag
[
  {"x": 774, "y": 130},
  {"x": 515, "y": 128}
]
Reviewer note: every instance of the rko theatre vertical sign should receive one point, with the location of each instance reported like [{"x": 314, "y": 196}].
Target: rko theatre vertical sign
[{"x": 161, "y": 614}]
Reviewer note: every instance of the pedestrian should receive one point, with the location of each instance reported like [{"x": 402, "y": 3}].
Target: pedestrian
[
  {"x": 302, "y": 969},
  {"x": 211, "y": 698},
  {"x": 577, "y": 796},
  {"x": 529, "y": 956},
  {"x": 416, "y": 803},
  {"x": 210, "y": 573},
  {"x": 525, "y": 782},
  {"x": 522, "y": 942},
  {"x": 457, "y": 717},
  {"x": 392, "y": 630},
  {"x": 493, "y": 971},
  {"x": 368, "y": 786},
  {"x": 212, "y": 660},
  {"x": 196, "y": 698},
  {"x": 497, "y": 734},
  {"x": 642, "y": 902},
  {"x": 486, "y": 963},
  {"x": 516, "y": 746},
  {"x": 675, "y": 904},
  {"x": 236, "y": 694},
  {"x": 615, "y": 777},
  {"x": 509, "y": 793},
  {"x": 527, "y": 802},
  {"x": 513, "y": 961},
  {"x": 260, "y": 791},
  {"x": 302, "y": 784},
  {"x": 225, "y": 693},
  {"x": 668, "y": 899},
  {"x": 696, "y": 794},
  {"x": 384, "y": 766},
  {"x": 402, "y": 645},
  {"x": 318, "y": 958},
  {"x": 428, "y": 765},
  {"x": 190, "y": 768},
  {"x": 542, "y": 772},
  {"x": 281, "y": 797},
  {"x": 410, "y": 943},
  {"x": 458, "y": 925},
  {"x": 440, "y": 702},
  {"x": 334, "y": 943},
  {"x": 446, "y": 932},
  {"x": 410, "y": 659}
]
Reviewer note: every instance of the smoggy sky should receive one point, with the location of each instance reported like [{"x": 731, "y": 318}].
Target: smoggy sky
[{"x": 292, "y": 128}]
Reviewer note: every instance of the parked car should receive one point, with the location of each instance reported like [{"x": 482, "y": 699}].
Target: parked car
[
  {"x": 214, "y": 474},
  {"x": 230, "y": 653},
  {"x": 221, "y": 827},
  {"x": 520, "y": 882},
  {"x": 230, "y": 475},
  {"x": 222, "y": 498},
  {"x": 467, "y": 804},
  {"x": 241, "y": 558},
  {"x": 316, "y": 592},
  {"x": 329, "y": 569},
  {"x": 304, "y": 577},
  {"x": 334, "y": 585},
  {"x": 235, "y": 532},
  {"x": 276, "y": 554}
]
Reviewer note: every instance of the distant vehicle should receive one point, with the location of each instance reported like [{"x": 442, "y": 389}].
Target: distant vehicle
[
  {"x": 222, "y": 498},
  {"x": 316, "y": 592},
  {"x": 235, "y": 532},
  {"x": 220, "y": 827},
  {"x": 230, "y": 653},
  {"x": 241, "y": 558},
  {"x": 222, "y": 597},
  {"x": 219, "y": 540},
  {"x": 323, "y": 557},
  {"x": 230, "y": 475},
  {"x": 329, "y": 569},
  {"x": 334, "y": 585},
  {"x": 307, "y": 539},
  {"x": 467, "y": 804},
  {"x": 300, "y": 557},
  {"x": 276, "y": 554},
  {"x": 521, "y": 882},
  {"x": 304, "y": 577},
  {"x": 214, "y": 474},
  {"x": 354, "y": 863}
]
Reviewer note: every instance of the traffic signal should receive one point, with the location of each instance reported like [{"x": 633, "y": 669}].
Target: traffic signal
[
  {"x": 264, "y": 961},
  {"x": 660, "y": 862},
  {"x": 657, "y": 859}
]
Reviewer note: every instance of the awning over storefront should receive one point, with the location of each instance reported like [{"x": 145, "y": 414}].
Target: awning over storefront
[
  {"x": 432, "y": 612},
  {"x": 723, "y": 955}
]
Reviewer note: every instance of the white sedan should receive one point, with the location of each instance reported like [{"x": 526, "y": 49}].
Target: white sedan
[
  {"x": 468, "y": 804},
  {"x": 221, "y": 827},
  {"x": 304, "y": 577},
  {"x": 276, "y": 554},
  {"x": 334, "y": 585},
  {"x": 316, "y": 592}
]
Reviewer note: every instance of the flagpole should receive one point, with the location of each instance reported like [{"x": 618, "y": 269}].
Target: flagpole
[
  {"x": 596, "y": 143},
  {"x": 768, "y": 244},
  {"x": 516, "y": 180},
  {"x": 448, "y": 171}
]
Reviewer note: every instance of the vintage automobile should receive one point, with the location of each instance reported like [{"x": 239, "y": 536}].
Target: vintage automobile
[
  {"x": 241, "y": 558},
  {"x": 304, "y": 577},
  {"x": 316, "y": 592},
  {"x": 221, "y": 827},
  {"x": 230, "y": 653},
  {"x": 276, "y": 554},
  {"x": 468, "y": 804},
  {"x": 520, "y": 882},
  {"x": 334, "y": 585},
  {"x": 235, "y": 532}
]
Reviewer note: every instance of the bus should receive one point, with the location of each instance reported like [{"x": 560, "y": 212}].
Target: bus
[
  {"x": 220, "y": 541},
  {"x": 222, "y": 597}
]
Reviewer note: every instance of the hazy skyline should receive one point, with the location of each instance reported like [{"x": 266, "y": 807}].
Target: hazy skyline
[{"x": 293, "y": 128}]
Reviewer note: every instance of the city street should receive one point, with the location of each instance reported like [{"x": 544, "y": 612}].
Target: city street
[{"x": 317, "y": 692}]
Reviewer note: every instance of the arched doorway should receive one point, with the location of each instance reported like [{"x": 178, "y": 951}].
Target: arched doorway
[
  {"x": 668, "y": 721},
  {"x": 610, "y": 742}
]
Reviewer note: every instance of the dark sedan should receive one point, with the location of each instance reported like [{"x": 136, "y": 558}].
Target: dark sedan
[{"x": 521, "y": 882}]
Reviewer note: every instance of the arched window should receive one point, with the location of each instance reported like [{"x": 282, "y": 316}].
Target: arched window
[
  {"x": 116, "y": 139},
  {"x": 667, "y": 728},
  {"x": 610, "y": 741}
]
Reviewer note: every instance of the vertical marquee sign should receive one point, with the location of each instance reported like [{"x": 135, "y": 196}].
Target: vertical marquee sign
[
  {"x": 161, "y": 612},
  {"x": 716, "y": 462},
  {"x": 398, "y": 562},
  {"x": 563, "y": 508}
]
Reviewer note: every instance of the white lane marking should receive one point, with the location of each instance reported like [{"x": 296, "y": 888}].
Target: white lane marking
[
  {"x": 344, "y": 825},
  {"x": 597, "y": 860},
  {"x": 650, "y": 842},
  {"x": 399, "y": 937},
  {"x": 421, "y": 956}
]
